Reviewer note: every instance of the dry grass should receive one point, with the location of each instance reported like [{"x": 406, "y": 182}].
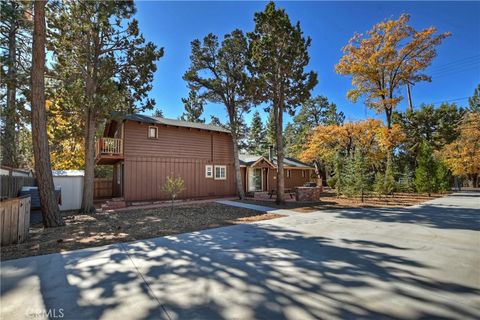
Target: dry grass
[
  {"x": 83, "y": 231},
  {"x": 329, "y": 200}
]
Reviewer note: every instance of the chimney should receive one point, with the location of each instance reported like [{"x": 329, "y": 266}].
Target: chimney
[{"x": 270, "y": 153}]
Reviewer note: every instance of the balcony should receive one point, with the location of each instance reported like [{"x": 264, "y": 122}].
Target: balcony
[{"x": 108, "y": 150}]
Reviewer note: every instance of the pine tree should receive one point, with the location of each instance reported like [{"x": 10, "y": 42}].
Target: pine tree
[
  {"x": 474, "y": 100},
  {"x": 15, "y": 61},
  {"x": 103, "y": 64},
  {"x": 271, "y": 130},
  {"x": 426, "y": 170},
  {"x": 257, "y": 142},
  {"x": 157, "y": 113},
  {"x": 357, "y": 177},
  {"x": 193, "y": 107},
  {"x": 442, "y": 178},
  {"x": 224, "y": 81},
  {"x": 50, "y": 212},
  {"x": 278, "y": 58}
]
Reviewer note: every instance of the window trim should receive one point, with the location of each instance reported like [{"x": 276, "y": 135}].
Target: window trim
[
  {"x": 209, "y": 166},
  {"x": 288, "y": 174},
  {"x": 156, "y": 132},
  {"x": 215, "y": 172}
]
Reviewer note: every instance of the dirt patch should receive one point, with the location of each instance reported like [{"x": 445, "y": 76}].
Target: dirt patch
[
  {"x": 329, "y": 200},
  {"x": 83, "y": 231}
]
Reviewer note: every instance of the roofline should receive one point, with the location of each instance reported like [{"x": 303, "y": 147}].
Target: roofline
[
  {"x": 262, "y": 158},
  {"x": 151, "y": 120}
]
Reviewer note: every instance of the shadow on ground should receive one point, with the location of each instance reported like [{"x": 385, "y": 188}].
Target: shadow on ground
[
  {"x": 429, "y": 215},
  {"x": 253, "y": 271},
  {"x": 256, "y": 271}
]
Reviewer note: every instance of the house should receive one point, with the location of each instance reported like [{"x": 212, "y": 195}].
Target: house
[
  {"x": 144, "y": 150},
  {"x": 260, "y": 174}
]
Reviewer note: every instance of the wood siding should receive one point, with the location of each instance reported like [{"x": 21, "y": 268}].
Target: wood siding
[
  {"x": 177, "y": 142},
  {"x": 145, "y": 177},
  {"x": 102, "y": 188},
  {"x": 177, "y": 152},
  {"x": 295, "y": 180}
]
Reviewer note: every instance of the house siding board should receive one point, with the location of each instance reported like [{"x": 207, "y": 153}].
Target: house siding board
[
  {"x": 148, "y": 184},
  {"x": 181, "y": 142},
  {"x": 295, "y": 180}
]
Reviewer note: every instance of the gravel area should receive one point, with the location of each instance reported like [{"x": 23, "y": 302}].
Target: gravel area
[{"x": 83, "y": 231}]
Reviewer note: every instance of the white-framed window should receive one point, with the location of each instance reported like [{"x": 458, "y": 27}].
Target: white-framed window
[
  {"x": 220, "y": 172},
  {"x": 152, "y": 132},
  {"x": 303, "y": 173},
  {"x": 287, "y": 173},
  {"x": 208, "y": 171}
]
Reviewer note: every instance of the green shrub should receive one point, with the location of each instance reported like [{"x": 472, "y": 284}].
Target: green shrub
[
  {"x": 173, "y": 186},
  {"x": 332, "y": 182},
  {"x": 425, "y": 174}
]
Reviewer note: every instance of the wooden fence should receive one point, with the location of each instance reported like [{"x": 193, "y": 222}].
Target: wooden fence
[
  {"x": 14, "y": 220},
  {"x": 11, "y": 185},
  {"x": 103, "y": 188}
]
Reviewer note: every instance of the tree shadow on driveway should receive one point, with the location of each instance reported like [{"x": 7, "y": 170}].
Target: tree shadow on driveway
[
  {"x": 269, "y": 272},
  {"x": 429, "y": 215},
  {"x": 255, "y": 271}
]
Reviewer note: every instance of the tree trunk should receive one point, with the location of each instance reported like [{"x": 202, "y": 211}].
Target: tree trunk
[
  {"x": 9, "y": 137},
  {"x": 238, "y": 175},
  {"x": 48, "y": 203},
  {"x": 88, "y": 183},
  {"x": 388, "y": 115},
  {"x": 280, "y": 174}
]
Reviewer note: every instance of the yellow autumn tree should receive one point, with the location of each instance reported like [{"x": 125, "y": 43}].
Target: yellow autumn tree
[
  {"x": 64, "y": 135},
  {"x": 388, "y": 56},
  {"x": 371, "y": 136},
  {"x": 463, "y": 155}
]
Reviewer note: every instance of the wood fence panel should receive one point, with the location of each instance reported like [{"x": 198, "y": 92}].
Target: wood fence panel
[
  {"x": 10, "y": 186},
  {"x": 15, "y": 220},
  {"x": 103, "y": 188}
]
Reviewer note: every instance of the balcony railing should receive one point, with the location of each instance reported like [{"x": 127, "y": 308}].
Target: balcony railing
[{"x": 109, "y": 146}]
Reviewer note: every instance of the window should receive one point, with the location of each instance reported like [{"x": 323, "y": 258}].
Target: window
[
  {"x": 287, "y": 173},
  {"x": 208, "y": 171},
  {"x": 303, "y": 173},
  {"x": 220, "y": 172},
  {"x": 152, "y": 132}
]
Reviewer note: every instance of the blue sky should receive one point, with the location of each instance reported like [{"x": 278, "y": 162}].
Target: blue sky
[{"x": 455, "y": 71}]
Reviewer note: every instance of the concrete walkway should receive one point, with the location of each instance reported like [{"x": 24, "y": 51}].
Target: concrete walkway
[{"x": 419, "y": 262}]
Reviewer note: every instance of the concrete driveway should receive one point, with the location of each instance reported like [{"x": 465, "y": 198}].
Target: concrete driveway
[{"x": 419, "y": 262}]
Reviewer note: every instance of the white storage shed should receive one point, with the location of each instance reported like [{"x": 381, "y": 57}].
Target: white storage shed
[{"x": 71, "y": 184}]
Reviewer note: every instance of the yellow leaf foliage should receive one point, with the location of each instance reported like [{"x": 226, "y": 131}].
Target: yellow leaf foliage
[
  {"x": 389, "y": 55},
  {"x": 65, "y": 137},
  {"x": 369, "y": 136},
  {"x": 463, "y": 155}
]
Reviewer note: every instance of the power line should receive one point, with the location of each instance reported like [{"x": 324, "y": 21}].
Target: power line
[{"x": 443, "y": 101}]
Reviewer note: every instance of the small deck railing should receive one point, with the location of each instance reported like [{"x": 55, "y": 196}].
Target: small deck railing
[{"x": 109, "y": 146}]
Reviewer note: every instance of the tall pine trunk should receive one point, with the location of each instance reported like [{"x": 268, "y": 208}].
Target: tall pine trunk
[
  {"x": 238, "y": 175},
  {"x": 234, "y": 131},
  {"x": 278, "y": 111},
  {"x": 9, "y": 137},
  {"x": 88, "y": 182},
  {"x": 50, "y": 211}
]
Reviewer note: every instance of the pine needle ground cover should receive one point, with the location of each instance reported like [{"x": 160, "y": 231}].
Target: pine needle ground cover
[
  {"x": 329, "y": 200},
  {"x": 92, "y": 230}
]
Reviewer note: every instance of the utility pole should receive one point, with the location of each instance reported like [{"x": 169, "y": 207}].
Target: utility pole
[{"x": 410, "y": 105}]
